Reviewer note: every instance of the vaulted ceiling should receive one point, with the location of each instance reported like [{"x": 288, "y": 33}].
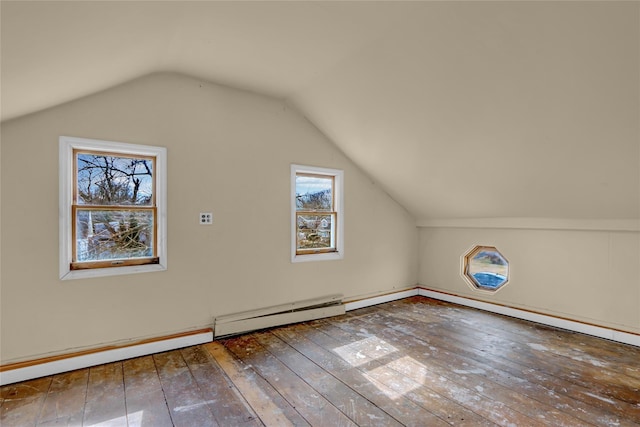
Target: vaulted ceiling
[{"x": 457, "y": 109}]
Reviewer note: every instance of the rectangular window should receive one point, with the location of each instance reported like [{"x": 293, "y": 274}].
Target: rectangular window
[
  {"x": 316, "y": 213},
  {"x": 113, "y": 204},
  {"x": 113, "y": 210}
]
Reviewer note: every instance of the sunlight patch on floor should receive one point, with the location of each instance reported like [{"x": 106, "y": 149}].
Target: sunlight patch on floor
[
  {"x": 409, "y": 367},
  {"x": 394, "y": 379},
  {"x": 132, "y": 420},
  {"x": 393, "y": 384},
  {"x": 366, "y": 350}
]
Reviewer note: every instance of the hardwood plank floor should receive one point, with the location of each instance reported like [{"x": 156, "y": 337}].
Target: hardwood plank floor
[{"x": 413, "y": 362}]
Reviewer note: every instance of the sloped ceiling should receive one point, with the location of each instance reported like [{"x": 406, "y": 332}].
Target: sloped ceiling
[{"x": 457, "y": 109}]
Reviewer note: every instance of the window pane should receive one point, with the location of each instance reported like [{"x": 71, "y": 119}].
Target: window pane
[
  {"x": 488, "y": 269},
  {"x": 110, "y": 234},
  {"x": 315, "y": 231},
  {"x": 113, "y": 180},
  {"x": 314, "y": 193}
]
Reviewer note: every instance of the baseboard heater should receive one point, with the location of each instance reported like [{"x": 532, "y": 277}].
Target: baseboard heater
[{"x": 299, "y": 311}]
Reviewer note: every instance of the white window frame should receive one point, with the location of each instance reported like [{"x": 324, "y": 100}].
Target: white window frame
[
  {"x": 338, "y": 200},
  {"x": 67, "y": 145}
]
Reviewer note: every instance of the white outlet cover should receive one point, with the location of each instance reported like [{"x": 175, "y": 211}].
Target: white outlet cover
[{"x": 206, "y": 218}]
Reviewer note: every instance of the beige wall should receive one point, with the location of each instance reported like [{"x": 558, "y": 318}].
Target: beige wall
[
  {"x": 229, "y": 152},
  {"x": 589, "y": 276}
]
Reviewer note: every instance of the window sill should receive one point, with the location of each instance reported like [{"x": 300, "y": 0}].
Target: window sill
[
  {"x": 326, "y": 256},
  {"x": 104, "y": 272}
]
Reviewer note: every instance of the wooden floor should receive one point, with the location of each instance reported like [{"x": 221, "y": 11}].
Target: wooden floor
[{"x": 415, "y": 362}]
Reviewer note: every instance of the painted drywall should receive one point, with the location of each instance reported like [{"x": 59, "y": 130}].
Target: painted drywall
[
  {"x": 229, "y": 152},
  {"x": 588, "y": 276},
  {"x": 495, "y": 109}
]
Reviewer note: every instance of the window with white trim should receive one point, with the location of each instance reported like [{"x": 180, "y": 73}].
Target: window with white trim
[
  {"x": 112, "y": 208},
  {"x": 316, "y": 214}
]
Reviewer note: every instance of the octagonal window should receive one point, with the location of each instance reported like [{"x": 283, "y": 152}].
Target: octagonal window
[{"x": 486, "y": 268}]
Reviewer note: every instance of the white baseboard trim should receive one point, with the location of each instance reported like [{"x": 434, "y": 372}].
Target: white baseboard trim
[
  {"x": 368, "y": 302},
  {"x": 571, "y": 325},
  {"x": 46, "y": 368}
]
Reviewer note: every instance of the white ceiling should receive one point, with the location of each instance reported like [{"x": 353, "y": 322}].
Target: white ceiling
[{"x": 458, "y": 109}]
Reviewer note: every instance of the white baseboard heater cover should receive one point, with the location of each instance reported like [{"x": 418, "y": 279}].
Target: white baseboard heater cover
[{"x": 299, "y": 311}]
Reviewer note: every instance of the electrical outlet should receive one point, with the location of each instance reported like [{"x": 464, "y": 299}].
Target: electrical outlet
[{"x": 206, "y": 218}]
